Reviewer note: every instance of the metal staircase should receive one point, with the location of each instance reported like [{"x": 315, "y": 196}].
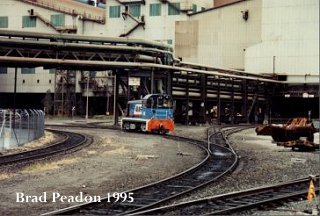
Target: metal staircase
[
  {"x": 126, "y": 14},
  {"x": 61, "y": 29}
]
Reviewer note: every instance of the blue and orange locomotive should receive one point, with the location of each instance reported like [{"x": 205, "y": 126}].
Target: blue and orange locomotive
[{"x": 154, "y": 113}]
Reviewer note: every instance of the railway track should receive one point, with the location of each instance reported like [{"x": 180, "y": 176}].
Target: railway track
[
  {"x": 238, "y": 201},
  {"x": 70, "y": 142},
  {"x": 220, "y": 160}
]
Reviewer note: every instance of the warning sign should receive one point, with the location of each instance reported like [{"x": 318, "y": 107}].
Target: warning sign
[{"x": 134, "y": 81}]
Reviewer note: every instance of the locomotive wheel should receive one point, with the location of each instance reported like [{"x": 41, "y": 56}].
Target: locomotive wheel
[
  {"x": 163, "y": 131},
  {"x": 143, "y": 127},
  {"x": 126, "y": 126}
]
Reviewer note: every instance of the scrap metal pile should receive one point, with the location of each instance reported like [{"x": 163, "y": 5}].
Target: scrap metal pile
[{"x": 297, "y": 133}]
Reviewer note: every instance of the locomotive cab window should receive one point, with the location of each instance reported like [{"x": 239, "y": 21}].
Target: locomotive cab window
[
  {"x": 158, "y": 101},
  {"x": 164, "y": 102},
  {"x": 149, "y": 103}
]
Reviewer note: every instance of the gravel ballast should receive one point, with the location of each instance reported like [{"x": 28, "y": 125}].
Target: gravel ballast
[{"x": 262, "y": 162}]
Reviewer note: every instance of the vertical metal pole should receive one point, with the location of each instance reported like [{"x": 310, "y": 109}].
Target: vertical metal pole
[
  {"x": 219, "y": 103},
  {"x": 152, "y": 82},
  {"x": 55, "y": 110},
  {"x": 232, "y": 101},
  {"x": 128, "y": 87},
  {"x": 87, "y": 106},
  {"x": 188, "y": 99},
  {"x": 28, "y": 125},
  {"x": 115, "y": 99},
  {"x": 108, "y": 96},
  {"x": 274, "y": 65},
  {"x": 268, "y": 103},
  {"x": 14, "y": 96},
  {"x": 62, "y": 92},
  {"x": 203, "y": 104},
  {"x": 257, "y": 100},
  {"x": 245, "y": 100},
  {"x": 169, "y": 83}
]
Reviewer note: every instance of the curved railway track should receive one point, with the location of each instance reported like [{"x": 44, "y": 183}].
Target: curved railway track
[
  {"x": 238, "y": 201},
  {"x": 70, "y": 142},
  {"x": 221, "y": 161}
]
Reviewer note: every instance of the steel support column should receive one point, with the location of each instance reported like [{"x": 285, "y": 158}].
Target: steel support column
[
  {"x": 219, "y": 102},
  {"x": 152, "y": 81},
  {"x": 188, "y": 99},
  {"x": 128, "y": 87},
  {"x": 169, "y": 83},
  {"x": 14, "y": 97},
  {"x": 268, "y": 103},
  {"x": 115, "y": 99},
  {"x": 245, "y": 100},
  {"x": 257, "y": 103},
  {"x": 203, "y": 104},
  {"x": 232, "y": 101}
]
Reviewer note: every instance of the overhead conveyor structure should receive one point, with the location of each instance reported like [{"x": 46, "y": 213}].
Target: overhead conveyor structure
[{"x": 198, "y": 89}]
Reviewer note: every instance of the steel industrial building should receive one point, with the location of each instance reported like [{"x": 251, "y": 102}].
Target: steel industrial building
[{"x": 248, "y": 57}]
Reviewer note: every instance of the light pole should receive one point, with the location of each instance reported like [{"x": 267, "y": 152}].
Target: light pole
[
  {"x": 87, "y": 107},
  {"x": 115, "y": 118}
]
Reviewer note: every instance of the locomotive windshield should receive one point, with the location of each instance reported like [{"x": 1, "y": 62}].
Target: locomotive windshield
[
  {"x": 164, "y": 102},
  {"x": 158, "y": 101}
]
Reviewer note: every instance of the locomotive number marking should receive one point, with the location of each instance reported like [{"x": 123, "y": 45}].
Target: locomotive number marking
[{"x": 138, "y": 109}]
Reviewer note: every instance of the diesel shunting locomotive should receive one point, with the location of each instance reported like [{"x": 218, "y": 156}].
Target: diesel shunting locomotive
[{"x": 153, "y": 113}]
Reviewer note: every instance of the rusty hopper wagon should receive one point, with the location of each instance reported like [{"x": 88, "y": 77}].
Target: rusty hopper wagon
[{"x": 293, "y": 130}]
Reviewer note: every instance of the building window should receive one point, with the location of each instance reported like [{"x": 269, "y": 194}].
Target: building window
[
  {"x": 28, "y": 70},
  {"x": 155, "y": 9},
  {"x": 202, "y": 8},
  {"x": 3, "y": 70},
  {"x": 58, "y": 20},
  {"x": 169, "y": 42},
  {"x": 114, "y": 11},
  {"x": 135, "y": 10},
  {"x": 29, "y": 22},
  {"x": 174, "y": 9},
  {"x": 52, "y": 71},
  {"x": 3, "y": 22},
  {"x": 92, "y": 74},
  {"x": 194, "y": 8}
]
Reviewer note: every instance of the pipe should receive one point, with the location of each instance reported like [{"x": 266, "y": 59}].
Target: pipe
[
  {"x": 194, "y": 94},
  {"x": 227, "y": 70},
  {"x": 72, "y": 46},
  {"x": 103, "y": 65},
  {"x": 67, "y": 37}
]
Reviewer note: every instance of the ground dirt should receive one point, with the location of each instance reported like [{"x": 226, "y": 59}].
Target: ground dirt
[{"x": 116, "y": 161}]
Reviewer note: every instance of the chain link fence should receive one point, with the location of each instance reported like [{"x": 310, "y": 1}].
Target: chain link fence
[{"x": 20, "y": 127}]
